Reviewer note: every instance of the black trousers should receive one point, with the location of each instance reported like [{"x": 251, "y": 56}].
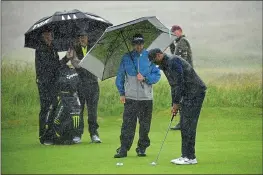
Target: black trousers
[
  {"x": 47, "y": 95},
  {"x": 190, "y": 111},
  {"x": 89, "y": 94},
  {"x": 132, "y": 110}
]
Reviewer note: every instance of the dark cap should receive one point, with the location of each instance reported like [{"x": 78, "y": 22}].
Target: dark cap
[
  {"x": 176, "y": 27},
  {"x": 152, "y": 54},
  {"x": 82, "y": 33},
  {"x": 138, "y": 39}
]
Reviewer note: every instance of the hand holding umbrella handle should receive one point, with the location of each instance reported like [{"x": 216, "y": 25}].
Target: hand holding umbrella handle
[
  {"x": 141, "y": 79},
  {"x": 70, "y": 53},
  {"x": 142, "y": 84}
]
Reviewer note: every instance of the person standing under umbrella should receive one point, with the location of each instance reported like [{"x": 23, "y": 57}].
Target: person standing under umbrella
[
  {"x": 88, "y": 89},
  {"x": 181, "y": 47},
  {"x": 47, "y": 64},
  {"x": 134, "y": 81},
  {"x": 188, "y": 93}
]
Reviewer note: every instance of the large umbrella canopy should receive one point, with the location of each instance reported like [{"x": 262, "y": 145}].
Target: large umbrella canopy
[
  {"x": 65, "y": 26},
  {"x": 103, "y": 60}
]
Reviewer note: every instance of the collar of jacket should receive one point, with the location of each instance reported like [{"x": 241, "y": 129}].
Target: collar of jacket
[
  {"x": 136, "y": 54},
  {"x": 80, "y": 46},
  {"x": 164, "y": 63},
  {"x": 78, "y": 49},
  {"x": 179, "y": 38},
  {"x": 43, "y": 46}
]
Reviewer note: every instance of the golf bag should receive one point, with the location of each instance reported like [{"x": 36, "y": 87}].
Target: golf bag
[{"x": 63, "y": 119}]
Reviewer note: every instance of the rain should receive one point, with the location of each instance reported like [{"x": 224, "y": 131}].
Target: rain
[{"x": 137, "y": 87}]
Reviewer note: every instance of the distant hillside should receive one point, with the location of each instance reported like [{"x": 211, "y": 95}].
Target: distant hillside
[{"x": 222, "y": 34}]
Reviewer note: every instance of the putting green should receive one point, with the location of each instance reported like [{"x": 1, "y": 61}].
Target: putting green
[{"x": 229, "y": 140}]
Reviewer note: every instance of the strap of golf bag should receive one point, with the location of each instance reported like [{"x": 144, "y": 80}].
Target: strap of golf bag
[{"x": 49, "y": 120}]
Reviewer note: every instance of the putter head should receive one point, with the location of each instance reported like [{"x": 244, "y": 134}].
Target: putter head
[{"x": 153, "y": 163}]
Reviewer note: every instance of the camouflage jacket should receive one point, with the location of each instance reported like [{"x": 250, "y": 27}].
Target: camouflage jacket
[{"x": 181, "y": 47}]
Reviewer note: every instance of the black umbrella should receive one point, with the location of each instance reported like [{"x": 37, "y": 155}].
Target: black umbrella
[
  {"x": 104, "y": 58},
  {"x": 65, "y": 26}
]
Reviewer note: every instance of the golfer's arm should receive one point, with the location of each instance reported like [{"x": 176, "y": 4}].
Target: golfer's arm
[
  {"x": 172, "y": 48},
  {"x": 120, "y": 79},
  {"x": 154, "y": 76},
  {"x": 41, "y": 67},
  {"x": 177, "y": 87},
  {"x": 37, "y": 63}
]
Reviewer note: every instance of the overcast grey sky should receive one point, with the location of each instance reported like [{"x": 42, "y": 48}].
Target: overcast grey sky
[{"x": 214, "y": 28}]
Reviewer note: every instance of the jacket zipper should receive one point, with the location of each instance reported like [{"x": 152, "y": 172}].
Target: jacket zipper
[{"x": 138, "y": 68}]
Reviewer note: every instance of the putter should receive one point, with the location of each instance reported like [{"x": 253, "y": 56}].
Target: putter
[{"x": 156, "y": 160}]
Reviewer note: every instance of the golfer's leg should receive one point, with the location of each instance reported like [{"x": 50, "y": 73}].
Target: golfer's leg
[
  {"x": 82, "y": 107},
  {"x": 184, "y": 127},
  {"x": 45, "y": 102},
  {"x": 92, "y": 105},
  {"x": 145, "y": 117},
  {"x": 53, "y": 96},
  {"x": 194, "y": 112},
  {"x": 129, "y": 124}
]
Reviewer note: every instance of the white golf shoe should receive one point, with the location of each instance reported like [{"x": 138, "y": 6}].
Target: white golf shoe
[
  {"x": 184, "y": 161},
  {"x": 176, "y": 160},
  {"x": 47, "y": 143},
  {"x": 95, "y": 139},
  {"x": 76, "y": 140}
]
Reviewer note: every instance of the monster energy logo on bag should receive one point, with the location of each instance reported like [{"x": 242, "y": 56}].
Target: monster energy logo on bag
[
  {"x": 57, "y": 121},
  {"x": 75, "y": 121}
]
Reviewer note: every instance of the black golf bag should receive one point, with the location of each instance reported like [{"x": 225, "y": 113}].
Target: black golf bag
[{"x": 63, "y": 118}]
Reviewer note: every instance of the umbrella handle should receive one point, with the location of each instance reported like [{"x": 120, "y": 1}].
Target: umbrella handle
[
  {"x": 137, "y": 70},
  {"x": 170, "y": 35},
  {"x": 71, "y": 45}
]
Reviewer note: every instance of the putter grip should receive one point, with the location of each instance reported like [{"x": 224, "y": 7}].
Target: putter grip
[{"x": 172, "y": 117}]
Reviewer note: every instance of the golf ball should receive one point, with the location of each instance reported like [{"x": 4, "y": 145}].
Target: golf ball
[
  {"x": 153, "y": 163},
  {"x": 119, "y": 164}
]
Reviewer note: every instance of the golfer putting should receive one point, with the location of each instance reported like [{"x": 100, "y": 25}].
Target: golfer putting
[{"x": 188, "y": 93}]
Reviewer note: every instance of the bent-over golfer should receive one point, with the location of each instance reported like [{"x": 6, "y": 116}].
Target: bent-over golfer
[
  {"x": 181, "y": 47},
  {"x": 134, "y": 81},
  {"x": 188, "y": 93}
]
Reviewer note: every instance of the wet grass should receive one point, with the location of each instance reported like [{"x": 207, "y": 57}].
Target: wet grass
[{"x": 229, "y": 133}]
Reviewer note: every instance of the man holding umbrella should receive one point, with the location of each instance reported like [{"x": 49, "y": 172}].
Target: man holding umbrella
[
  {"x": 47, "y": 64},
  {"x": 188, "y": 93},
  {"x": 88, "y": 89},
  {"x": 64, "y": 26},
  {"x": 134, "y": 81}
]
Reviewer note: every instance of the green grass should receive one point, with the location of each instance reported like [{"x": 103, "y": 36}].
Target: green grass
[
  {"x": 229, "y": 140},
  {"x": 229, "y": 137}
]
